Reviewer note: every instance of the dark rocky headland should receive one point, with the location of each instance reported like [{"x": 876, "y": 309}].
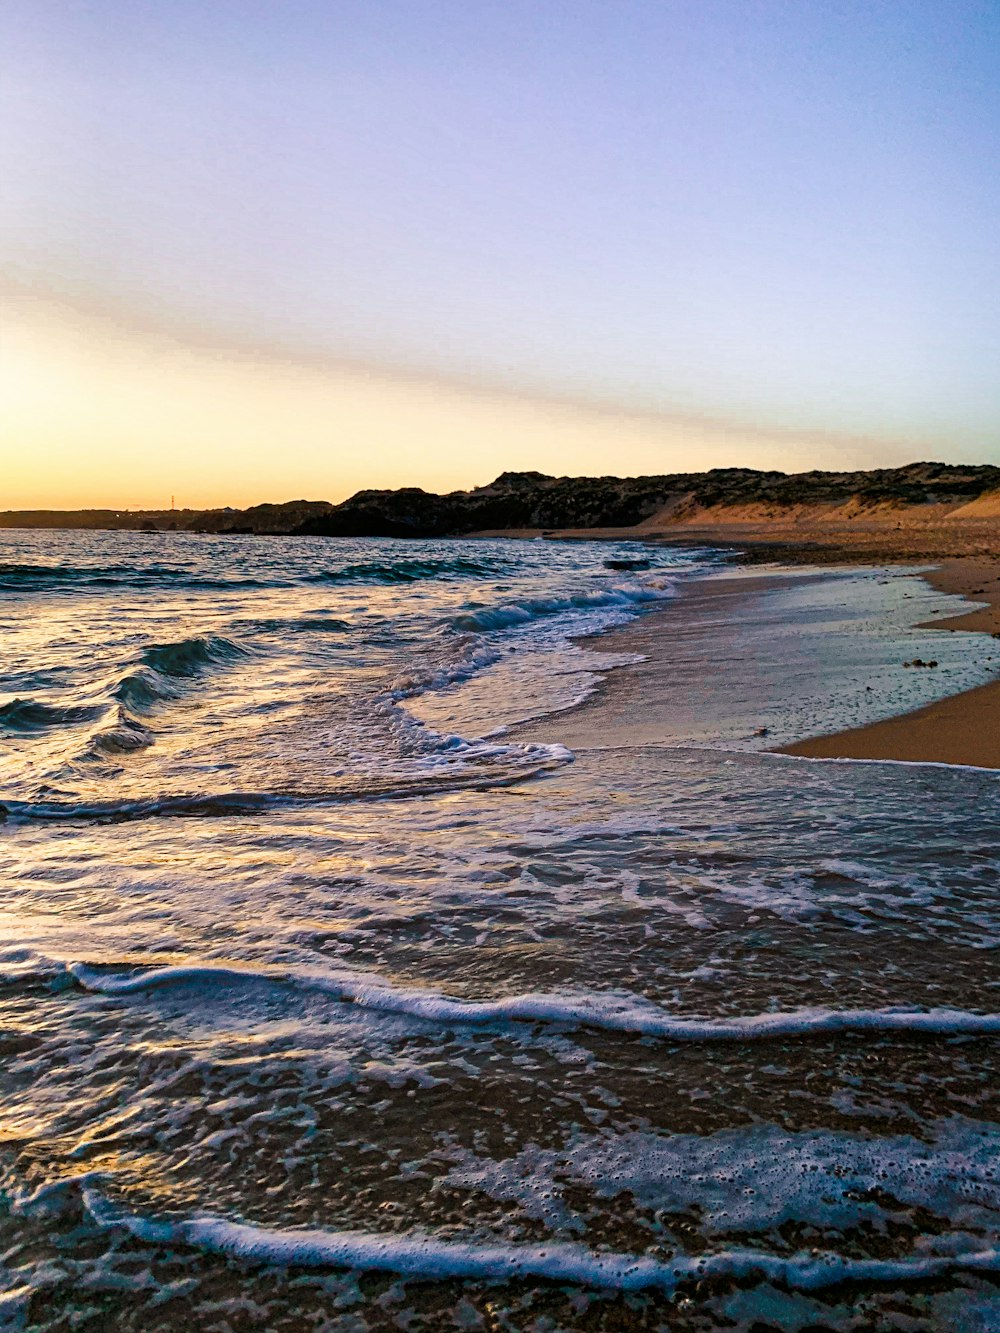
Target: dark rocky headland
[{"x": 533, "y": 501}]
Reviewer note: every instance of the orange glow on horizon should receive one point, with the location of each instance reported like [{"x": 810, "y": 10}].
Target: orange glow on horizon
[{"x": 94, "y": 415}]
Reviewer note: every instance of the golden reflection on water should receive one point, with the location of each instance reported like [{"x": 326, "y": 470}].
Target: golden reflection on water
[{"x": 706, "y": 885}]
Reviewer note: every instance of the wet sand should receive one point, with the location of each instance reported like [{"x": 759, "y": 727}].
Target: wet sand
[
  {"x": 764, "y": 658},
  {"x": 958, "y": 552},
  {"x": 962, "y": 729}
]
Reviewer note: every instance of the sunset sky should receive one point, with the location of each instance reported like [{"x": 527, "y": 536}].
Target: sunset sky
[{"x": 259, "y": 249}]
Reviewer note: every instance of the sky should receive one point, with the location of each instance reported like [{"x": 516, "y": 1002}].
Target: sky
[{"x": 261, "y": 249}]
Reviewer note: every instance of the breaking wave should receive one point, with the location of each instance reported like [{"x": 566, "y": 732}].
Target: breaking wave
[
  {"x": 487, "y": 618},
  {"x": 474, "y": 656}
]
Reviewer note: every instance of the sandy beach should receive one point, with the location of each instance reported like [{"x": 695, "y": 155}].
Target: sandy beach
[
  {"x": 962, "y": 729},
  {"x": 958, "y": 559}
]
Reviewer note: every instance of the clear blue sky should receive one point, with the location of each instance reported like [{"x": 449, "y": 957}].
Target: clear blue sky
[{"x": 784, "y": 213}]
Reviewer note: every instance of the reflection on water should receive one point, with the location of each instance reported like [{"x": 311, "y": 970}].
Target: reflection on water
[
  {"x": 138, "y": 668},
  {"x": 659, "y": 1037}
]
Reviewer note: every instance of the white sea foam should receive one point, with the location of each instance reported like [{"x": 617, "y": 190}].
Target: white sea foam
[
  {"x": 518, "y": 613},
  {"x": 613, "y": 1012},
  {"x": 474, "y": 657},
  {"x": 758, "y": 1177},
  {"x": 895, "y": 763},
  {"x": 426, "y": 1256}
]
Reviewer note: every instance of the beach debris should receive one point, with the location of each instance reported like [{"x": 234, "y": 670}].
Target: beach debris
[
  {"x": 762, "y": 731},
  {"x": 919, "y": 662}
]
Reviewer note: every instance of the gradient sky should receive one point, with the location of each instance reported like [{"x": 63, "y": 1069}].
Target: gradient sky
[{"x": 254, "y": 250}]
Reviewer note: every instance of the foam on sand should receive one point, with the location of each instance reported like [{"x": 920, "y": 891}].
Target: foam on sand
[
  {"x": 428, "y": 1257},
  {"x": 612, "y": 1012},
  {"x": 756, "y": 1178}
]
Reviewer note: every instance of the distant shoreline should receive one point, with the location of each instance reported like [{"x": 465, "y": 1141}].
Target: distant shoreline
[{"x": 687, "y": 503}]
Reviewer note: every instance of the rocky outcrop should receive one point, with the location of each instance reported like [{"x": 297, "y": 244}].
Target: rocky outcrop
[
  {"x": 514, "y": 500},
  {"x": 278, "y": 519},
  {"x": 532, "y": 500}
]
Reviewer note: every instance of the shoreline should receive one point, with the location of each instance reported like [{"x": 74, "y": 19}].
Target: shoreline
[{"x": 962, "y": 728}]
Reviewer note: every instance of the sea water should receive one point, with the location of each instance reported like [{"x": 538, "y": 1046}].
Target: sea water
[{"x": 328, "y": 1000}]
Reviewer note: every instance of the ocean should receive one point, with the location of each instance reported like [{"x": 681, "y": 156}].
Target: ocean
[{"x": 357, "y": 973}]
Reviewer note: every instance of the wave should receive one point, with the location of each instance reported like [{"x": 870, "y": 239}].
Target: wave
[
  {"x": 533, "y": 759},
  {"x": 163, "y": 665},
  {"x": 142, "y": 689},
  {"x": 296, "y": 625},
  {"x": 424, "y": 1256},
  {"x": 487, "y": 618},
  {"x": 21, "y": 965},
  {"x": 188, "y": 657},
  {"x": 439, "y": 675},
  {"x": 34, "y": 715},
  {"x": 616, "y": 1013},
  {"x": 69, "y": 578},
  {"x": 126, "y": 735},
  {"x": 408, "y": 571},
  {"x": 157, "y": 677},
  {"x": 473, "y": 652}
]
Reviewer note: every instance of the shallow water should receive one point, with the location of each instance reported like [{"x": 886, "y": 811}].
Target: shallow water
[
  {"x": 137, "y": 668},
  {"x": 316, "y": 1017}
]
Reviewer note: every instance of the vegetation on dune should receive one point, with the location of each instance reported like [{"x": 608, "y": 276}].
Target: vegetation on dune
[{"x": 534, "y": 500}]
